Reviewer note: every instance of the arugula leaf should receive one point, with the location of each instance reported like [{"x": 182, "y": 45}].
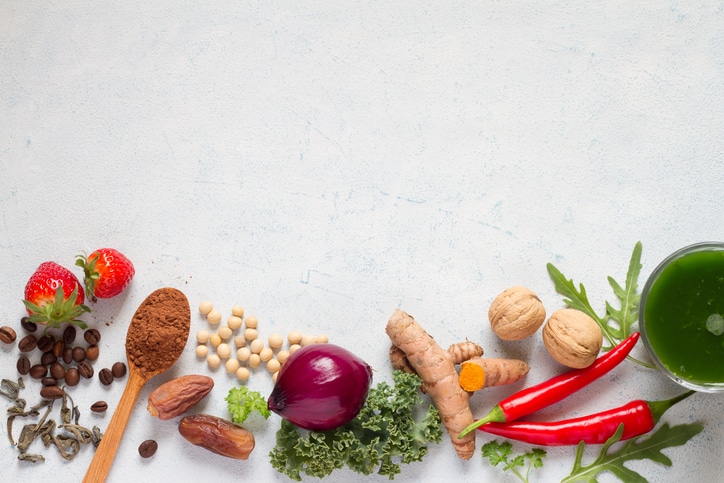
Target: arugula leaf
[
  {"x": 384, "y": 435},
  {"x": 242, "y": 402},
  {"x": 643, "y": 447},
  {"x": 499, "y": 453},
  {"x": 615, "y": 323},
  {"x": 628, "y": 314},
  {"x": 578, "y": 299}
]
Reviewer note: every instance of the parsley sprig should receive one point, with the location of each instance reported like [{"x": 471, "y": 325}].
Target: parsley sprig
[
  {"x": 502, "y": 453},
  {"x": 241, "y": 402}
]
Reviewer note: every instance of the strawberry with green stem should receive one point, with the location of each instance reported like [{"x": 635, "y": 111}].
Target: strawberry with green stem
[
  {"x": 54, "y": 295},
  {"x": 107, "y": 272}
]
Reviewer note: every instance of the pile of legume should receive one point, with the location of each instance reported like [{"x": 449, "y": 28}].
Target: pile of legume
[{"x": 238, "y": 345}]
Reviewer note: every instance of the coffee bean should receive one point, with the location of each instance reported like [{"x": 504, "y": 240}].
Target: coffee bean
[
  {"x": 57, "y": 370},
  {"x": 118, "y": 369},
  {"x": 69, "y": 335},
  {"x": 47, "y": 358},
  {"x": 72, "y": 377},
  {"x": 92, "y": 352},
  {"x": 38, "y": 371},
  {"x": 46, "y": 343},
  {"x": 7, "y": 334},
  {"x": 92, "y": 336},
  {"x": 78, "y": 354},
  {"x": 99, "y": 407},
  {"x": 28, "y": 325},
  {"x": 106, "y": 376},
  {"x": 147, "y": 448},
  {"x": 85, "y": 369},
  {"x": 48, "y": 381},
  {"x": 68, "y": 355},
  {"x": 58, "y": 349},
  {"x": 51, "y": 392},
  {"x": 28, "y": 343},
  {"x": 23, "y": 365}
]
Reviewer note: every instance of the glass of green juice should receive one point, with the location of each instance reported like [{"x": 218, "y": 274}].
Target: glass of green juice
[{"x": 681, "y": 316}]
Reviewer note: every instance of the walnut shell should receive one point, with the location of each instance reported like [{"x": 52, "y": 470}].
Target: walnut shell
[
  {"x": 572, "y": 338},
  {"x": 516, "y": 313}
]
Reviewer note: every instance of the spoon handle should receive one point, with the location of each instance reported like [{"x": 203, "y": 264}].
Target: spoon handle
[{"x": 106, "y": 452}]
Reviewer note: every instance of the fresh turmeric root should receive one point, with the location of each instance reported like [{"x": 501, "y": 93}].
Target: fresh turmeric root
[
  {"x": 480, "y": 372},
  {"x": 440, "y": 380},
  {"x": 460, "y": 352}
]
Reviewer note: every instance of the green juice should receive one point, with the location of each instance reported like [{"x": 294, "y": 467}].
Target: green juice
[{"x": 686, "y": 293}]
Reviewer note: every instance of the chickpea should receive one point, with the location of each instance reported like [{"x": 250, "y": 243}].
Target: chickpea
[
  {"x": 237, "y": 311},
  {"x": 232, "y": 365},
  {"x": 225, "y": 332},
  {"x": 256, "y": 346},
  {"x": 251, "y": 334},
  {"x": 276, "y": 341},
  {"x": 213, "y": 361},
  {"x": 239, "y": 341},
  {"x": 202, "y": 351},
  {"x": 215, "y": 339},
  {"x": 293, "y": 348},
  {"x": 224, "y": 350},
  {"x": 294, "y": 337},
  {"x": 251, "y": 322},
  {"x": 234, "y": 322},
  {"x": 243, "y": 354},
  {"x": 307, "y": 340},
  {"x": 205, "y": 307},
  {"x": 242, "y": 374},
  {"x": 321, "y": 339},
  {"x": 282, "y": 356},
  {"x": 254, "y": 360},
  {"x": 275, "y": 376},
  {"x": 214, "y": 317},
  {"x": 266, "y": 354},
  {"x": 273, "y": 366},
  {"x": 202, "y": 336}
]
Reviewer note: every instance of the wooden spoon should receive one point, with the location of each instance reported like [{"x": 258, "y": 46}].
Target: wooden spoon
[{"x": 156, "y": 338}]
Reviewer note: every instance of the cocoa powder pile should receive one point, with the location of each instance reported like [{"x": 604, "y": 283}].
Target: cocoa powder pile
[{"x": 159, "y": 330}]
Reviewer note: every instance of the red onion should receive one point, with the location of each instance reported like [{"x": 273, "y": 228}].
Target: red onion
[{"x": 320, "y": 387}]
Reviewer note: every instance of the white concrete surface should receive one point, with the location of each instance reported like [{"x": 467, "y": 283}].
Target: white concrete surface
[{"x": 323, "y": 163}]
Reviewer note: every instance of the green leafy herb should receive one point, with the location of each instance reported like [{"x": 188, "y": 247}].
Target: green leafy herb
[
  {"x": 382, "y": 436},
  {"x": 242, "y": 402},
  {"x": 615, "y": 323},
  {"x": 643, "y": 447},
  {"x": 500, "y": 453}
]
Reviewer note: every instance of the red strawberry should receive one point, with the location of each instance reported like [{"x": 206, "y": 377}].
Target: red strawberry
[
  {"x": 54, "y": 295},
  {"x": 107, "y": 273}
]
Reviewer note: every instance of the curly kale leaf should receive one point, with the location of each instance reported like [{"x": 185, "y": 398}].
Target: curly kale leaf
[
  {"x": 643, "y": 447},
  {"x": 384, "y": 435}
]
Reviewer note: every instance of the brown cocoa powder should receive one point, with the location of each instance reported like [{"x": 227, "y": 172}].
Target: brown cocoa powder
[{"x": 158, "y": 333}]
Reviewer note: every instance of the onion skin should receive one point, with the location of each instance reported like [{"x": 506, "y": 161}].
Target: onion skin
[{"x": 320, "y": 387}]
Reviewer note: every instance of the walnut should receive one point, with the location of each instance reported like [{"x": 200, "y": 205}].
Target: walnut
[
  {"x": 572, "y": 338},
  {"x": 516, "y": 313}
]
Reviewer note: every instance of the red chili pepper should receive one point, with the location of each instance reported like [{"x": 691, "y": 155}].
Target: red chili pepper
[
  {"x": 638, "y": 417},
  {"x": 535, "y": 398}
]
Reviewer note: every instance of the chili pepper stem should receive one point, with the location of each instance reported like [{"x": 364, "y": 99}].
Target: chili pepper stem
[
  {"x": 658, "y": 408},
  {"x": 496, "y": 415}
]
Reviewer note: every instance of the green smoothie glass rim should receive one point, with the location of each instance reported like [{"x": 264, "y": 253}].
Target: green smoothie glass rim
[{"x": 693, "y": 248}]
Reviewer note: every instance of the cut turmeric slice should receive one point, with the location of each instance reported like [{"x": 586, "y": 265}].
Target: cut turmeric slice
[{"x": 480, "y": 372}]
